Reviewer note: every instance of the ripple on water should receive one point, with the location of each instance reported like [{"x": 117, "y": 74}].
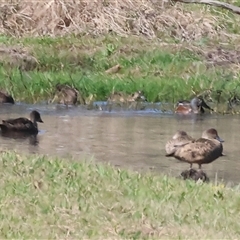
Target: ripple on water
[{"x": 132, "y": 139}]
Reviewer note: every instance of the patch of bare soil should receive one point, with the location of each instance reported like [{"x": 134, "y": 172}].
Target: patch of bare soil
[{"x": 17, "y": 57}]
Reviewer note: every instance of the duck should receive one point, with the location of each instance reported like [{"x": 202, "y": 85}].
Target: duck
[
  {"x": 22, "y": 124},
  {"x": 196, "y": 106},
  {"x": 179, "y": 139},
  {"x": 66, "y": 95},
  {"x": 120, "y": 97},
  {"x": 201, "y": 151},
  {"x": 6, "y": 97}
]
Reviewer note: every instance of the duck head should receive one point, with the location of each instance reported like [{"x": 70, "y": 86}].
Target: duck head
[
  {"x": 211, "y": 133},
  {"x": 35, "y": 116},
  {"x": 180, "y": 134},
  {"x": 198, "y": 104}
]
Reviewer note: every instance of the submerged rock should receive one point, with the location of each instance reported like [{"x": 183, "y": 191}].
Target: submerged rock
[{"x": 195, "y": 175}]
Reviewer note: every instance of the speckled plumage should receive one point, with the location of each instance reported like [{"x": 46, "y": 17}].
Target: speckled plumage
[
  {"x": 201, "y": 151},
  {"x": 179, "y": 139}
]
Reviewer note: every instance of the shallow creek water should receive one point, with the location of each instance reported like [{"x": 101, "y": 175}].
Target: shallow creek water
[{"x": 129, "y": 139}]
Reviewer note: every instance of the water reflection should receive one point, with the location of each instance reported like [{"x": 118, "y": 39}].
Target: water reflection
[
  {"x": 124, "y": 138},
  {"x": 21, "y": 136}
]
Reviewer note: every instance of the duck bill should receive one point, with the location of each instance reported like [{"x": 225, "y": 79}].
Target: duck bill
[
  {"x": 219, "y": 139},
  {"x": 40, "y": 120}
]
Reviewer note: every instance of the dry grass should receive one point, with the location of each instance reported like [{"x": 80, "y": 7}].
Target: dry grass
[
  {"x": 139, "y": 17},
  {"x": 195, "y": 44}
]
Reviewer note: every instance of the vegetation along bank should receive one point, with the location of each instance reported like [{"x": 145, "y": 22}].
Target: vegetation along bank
[{"x": 169, "y": 51}]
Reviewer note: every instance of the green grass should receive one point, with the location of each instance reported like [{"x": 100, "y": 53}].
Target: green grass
[
  {"x": 163, "y": 73},
  {"x": 48, "y": 198}
]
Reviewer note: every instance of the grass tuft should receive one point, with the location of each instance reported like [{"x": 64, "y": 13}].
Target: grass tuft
[{"x": 44, "y": 197}]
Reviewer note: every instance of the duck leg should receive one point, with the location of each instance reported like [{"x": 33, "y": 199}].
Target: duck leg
[
  {"x": 200, "y": 166},
  {"x": 190, "y": 165}
]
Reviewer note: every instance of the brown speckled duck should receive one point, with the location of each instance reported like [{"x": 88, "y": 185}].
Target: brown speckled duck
[
  {"x": 120, "y": 97},
  {"x": 66, "y": 95},
  {"x": 196, "y": 105},
  {"x": 5, "y": 97},
  {"x": 179, "y": 139},
  {"x": 22, "y": 124},
  {"x": 201, "y": 151}
]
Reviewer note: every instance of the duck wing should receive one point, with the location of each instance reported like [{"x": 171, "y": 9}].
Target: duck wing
[
  {"x": 199, "y": 151},
  {"x": 172, "y": 145},
  {"x": 17, "y": 124}
]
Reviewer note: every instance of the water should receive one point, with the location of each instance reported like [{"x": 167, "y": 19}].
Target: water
[{"x": 129, "y": 139}]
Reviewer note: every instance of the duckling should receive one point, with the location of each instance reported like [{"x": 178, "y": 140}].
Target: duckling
[
  {"x": 195, "y": 175},
  {"x": 67, "y": 95},
  {"x": 120, "y": 97},
  {"x": 180, "y": 138},
  {"x": 5, "y": 97},
  {"x": 201, "y": 151},
  {"x": 22, "y": 124},
  {"x": 196, "y": 105}
]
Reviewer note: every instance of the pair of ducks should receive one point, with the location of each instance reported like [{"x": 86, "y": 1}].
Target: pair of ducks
[
  {"x": 200, "y": 151},
  {"x": 196, "y": 105}
]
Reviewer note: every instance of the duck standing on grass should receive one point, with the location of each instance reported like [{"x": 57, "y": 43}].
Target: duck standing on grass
[
  {"x": 22, "y": 124},
  {"x": 201, "y": 151}
]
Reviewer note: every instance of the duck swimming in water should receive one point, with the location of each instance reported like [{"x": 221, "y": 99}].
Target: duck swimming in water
[
  {"x": 196, "y": 105},
  {"x": 22, "y": 124}
]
